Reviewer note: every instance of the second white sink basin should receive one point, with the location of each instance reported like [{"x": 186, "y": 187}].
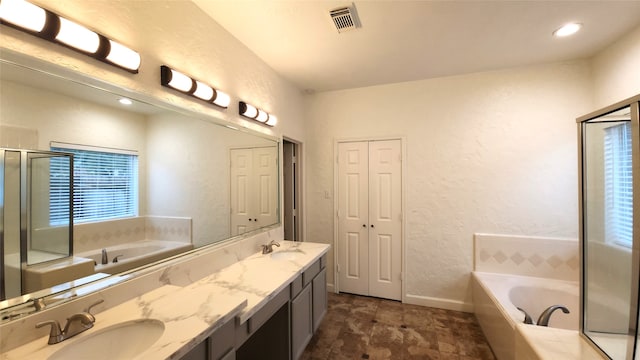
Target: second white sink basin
[
  {"x": 285, "y": 255},
  {"x": 121, "y": 341}
]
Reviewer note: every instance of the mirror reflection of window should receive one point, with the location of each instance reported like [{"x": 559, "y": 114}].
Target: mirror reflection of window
[
  {"x": 618, "y": 185},
  {"x": 105, "y": 184}
]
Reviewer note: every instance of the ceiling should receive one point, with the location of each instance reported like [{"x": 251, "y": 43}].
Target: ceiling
[{"x": 411, "y": 40}]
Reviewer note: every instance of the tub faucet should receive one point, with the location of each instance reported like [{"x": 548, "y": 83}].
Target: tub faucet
[
  {"x": 543, "y": 320},
  {"x": 105, "y": 258},
  {"x": 267, "y": 249},
  {"x": 527, "y": 317}
]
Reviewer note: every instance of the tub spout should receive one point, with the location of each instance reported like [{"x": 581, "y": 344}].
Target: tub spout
[
  {"x": 543, "y": 320},
  {"x": 527, "y": 317},
  {"x": 105, "y": 258}
]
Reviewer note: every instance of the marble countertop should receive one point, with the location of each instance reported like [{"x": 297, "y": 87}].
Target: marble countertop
[
  {"x": 189, "y": 316},
  {"x": 259, "y": 277},
  {"x": 193, "y": 312}
]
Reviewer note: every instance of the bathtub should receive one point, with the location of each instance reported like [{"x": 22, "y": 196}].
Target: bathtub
[
  {"x": 496, "y": 297},
  {"x": 135, "y": 254}
]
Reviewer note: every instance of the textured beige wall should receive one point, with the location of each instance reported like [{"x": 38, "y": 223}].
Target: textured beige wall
[
  {"x": 489, "y": 152},
  {"x": 616, "y": 71}
]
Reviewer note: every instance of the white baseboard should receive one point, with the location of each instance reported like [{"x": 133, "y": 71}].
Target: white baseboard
[
  {"x": 331, "y": 288},
  {"x": 439, "y": 303}
]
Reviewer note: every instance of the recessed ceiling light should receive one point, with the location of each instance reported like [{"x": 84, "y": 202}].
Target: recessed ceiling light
[
  {"x": 125, "y": 101},
  {"x": 567, "y": 30}
]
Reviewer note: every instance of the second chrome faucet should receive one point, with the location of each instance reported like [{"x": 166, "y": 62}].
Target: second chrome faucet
[
  {"x": 267, "y": 249},
  {"x": 76, "y": 324}
]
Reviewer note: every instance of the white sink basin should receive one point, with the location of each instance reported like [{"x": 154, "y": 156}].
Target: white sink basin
[
  {"x": 121, "y": 341},
  {"x": 285, "y": 255}
]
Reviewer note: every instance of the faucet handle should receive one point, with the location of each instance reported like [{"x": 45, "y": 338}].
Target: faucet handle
[
  {"x": 88, "y": 310},
  {"x": 55, "y": 335}
]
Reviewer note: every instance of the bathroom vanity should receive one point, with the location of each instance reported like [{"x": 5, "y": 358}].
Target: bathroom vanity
[{"x": 277, "y": 299}]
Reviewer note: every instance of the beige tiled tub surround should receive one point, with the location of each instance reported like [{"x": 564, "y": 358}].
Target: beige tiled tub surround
[
  {"x": 103, "y": 234},
  {"x": 140, "y": 240},
  {"x": 554, "y": 258},
  {"x": 134, "y": 254}
]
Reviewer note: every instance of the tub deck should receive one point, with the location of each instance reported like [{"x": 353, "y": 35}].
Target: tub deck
[{"x": 502, "y": 323}]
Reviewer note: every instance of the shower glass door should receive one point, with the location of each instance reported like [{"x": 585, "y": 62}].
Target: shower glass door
[
  {"x": 609, "y": 253},
  {"x": 50, "y": 185}
]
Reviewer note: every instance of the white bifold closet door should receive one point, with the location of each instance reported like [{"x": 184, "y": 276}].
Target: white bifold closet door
[
  {"x": 370, "y": 218},
  {"x": 254, "y": 188}
]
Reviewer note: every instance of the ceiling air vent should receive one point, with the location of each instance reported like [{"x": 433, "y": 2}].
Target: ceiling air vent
[{"x": 344, "y": 19}]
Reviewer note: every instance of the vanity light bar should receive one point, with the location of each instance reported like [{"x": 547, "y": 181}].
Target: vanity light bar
[
  {"x": 183, "y": 83},
  {"x": 32, "y": 19},
  {"x": 253, "y": 113}
]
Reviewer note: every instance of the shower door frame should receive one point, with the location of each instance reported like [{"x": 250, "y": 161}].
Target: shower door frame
[
  {"x": 25, "y": 209},
  {"x": 634, "y": 104}
]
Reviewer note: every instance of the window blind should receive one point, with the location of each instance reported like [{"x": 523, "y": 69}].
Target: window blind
[
  {"x": 105, "y": 185},
  {"x": 618, "y": 185}
]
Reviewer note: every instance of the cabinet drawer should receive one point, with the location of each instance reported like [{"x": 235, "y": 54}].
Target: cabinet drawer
[
  {"x": 323, "y": 261},
  {"x": 296, "y": 286},
  {"x": 310, "y": 273},
  {"x": 244, "y": 331},
  {"x": 222, "y": 340}
]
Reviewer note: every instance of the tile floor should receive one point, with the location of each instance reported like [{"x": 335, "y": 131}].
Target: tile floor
[{"x": 358, "y": 327}]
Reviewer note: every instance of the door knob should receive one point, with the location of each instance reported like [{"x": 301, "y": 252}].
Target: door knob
[
  {"x": 372, "y": 226},
  {"x": 364, "y": 225}
]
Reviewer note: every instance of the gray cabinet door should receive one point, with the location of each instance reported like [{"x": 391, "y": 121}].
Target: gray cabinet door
[
  {"x": 319, "y": 298},
  {"x": 301, "y": 322},
  {"x": 198, "y": 353}
]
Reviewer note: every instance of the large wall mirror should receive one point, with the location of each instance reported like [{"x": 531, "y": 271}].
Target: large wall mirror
[{"x": 149, "y": 182}]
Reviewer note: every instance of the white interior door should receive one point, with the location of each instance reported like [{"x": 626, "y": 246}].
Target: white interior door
[
  {"x": 265, "y": 171},
  {"x": 353, "y": 245},
  {"x": 254, "y": 188},
  {"x": 370, "y": 218},
  {"x": 241, "y": 172},
  {"x": 385, "y": 219}
]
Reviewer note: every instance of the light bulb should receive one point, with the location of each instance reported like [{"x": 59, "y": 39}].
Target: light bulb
[
  {"x": 272, "y": 120},
  {"x": 180, "y": 81},
  {"x": 262, "y": 116},
  {"x": 123, "y": 56},
  {"x": 78, "y": 36},
  {"x": 222, "y": 99},
  {"x": 250, "y": 111},
  {"x": 203, "y": 91},
  {"x": 23, "y": 14}
]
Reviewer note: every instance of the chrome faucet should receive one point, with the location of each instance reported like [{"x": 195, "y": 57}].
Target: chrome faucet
[
  {"x": 105, "y": 258},
  {"x": 76, "y": 324},
  {"x": 543, "y": 320},
  {"x": 267, "y": 249}
]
